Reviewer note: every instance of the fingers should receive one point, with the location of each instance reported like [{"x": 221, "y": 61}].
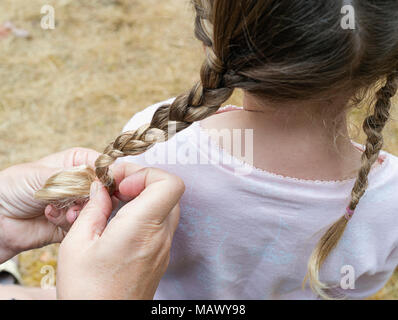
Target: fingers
[
  {"x": 155, "y": 194},
  {"x": 92, "y": 220},
  {"x": 71, "y": 158},
  {"x": 131, "y": 186},
  {"x": 72, "y": 213},
  {"x": 62, "y": 218},
  {"x": 81, "y": 156},
  {"x": 120, "y": 171}
]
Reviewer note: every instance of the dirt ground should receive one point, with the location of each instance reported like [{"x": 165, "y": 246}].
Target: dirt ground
[{"x": 77, "y": 85}]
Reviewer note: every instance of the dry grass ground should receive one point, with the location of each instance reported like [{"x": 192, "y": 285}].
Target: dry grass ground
[{"x": 77, "y": 85}]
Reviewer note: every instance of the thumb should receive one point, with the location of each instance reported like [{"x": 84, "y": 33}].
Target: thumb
[{"x": 93, "y": 218}]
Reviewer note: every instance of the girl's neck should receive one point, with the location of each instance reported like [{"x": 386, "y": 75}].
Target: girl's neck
[{"x": 305, "y": 140}]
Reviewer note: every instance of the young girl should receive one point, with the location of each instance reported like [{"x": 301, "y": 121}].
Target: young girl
[{"x": 252, "y": 235}]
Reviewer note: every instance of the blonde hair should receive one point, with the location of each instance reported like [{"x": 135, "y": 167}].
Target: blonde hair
[{"x": 239, "y": 54}]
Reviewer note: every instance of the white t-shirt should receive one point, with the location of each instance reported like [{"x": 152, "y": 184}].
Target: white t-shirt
[{"x": 249, "y": 236}]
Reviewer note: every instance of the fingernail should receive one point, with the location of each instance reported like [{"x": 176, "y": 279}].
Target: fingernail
[
  {"x": 94, "y": 189},
  {"x": 74, "y": 216},
  {"x": 48, "y": 209},
  {"x": 71, "y": 216}
]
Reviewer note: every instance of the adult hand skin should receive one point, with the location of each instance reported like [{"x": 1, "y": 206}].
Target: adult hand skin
[
  {"x": 126, "y": 258},
  {"x": 24, "y": 224}
]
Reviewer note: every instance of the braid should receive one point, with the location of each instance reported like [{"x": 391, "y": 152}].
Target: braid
[
  {"x": 202, "y": 101},
  {"x": 373, "y": 126}
]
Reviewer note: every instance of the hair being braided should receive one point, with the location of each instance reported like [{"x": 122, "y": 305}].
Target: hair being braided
[
  {"x": 203, "y": 100},
  {"x": 373, "y": 126},
  {"x": 276, "y": 50}
]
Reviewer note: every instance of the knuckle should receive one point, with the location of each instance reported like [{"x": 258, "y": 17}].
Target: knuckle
[
  {"x": 76, "y": 150},
  {"x": 78, "y": 155},
  {"x": 177, "y": 183}
]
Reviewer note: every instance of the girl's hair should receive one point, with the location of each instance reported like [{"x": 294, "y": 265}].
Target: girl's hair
[{"x": 279, "y": 50}]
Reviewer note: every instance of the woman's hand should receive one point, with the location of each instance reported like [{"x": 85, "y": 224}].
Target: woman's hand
[
  {"x": 126, "y": 258},
  {"x": 23, "y": 224}
]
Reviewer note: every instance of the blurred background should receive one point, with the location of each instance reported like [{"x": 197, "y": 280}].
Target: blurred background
[{"x": 77, "y": 85}]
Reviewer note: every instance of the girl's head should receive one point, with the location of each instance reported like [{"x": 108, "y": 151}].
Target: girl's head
[
  {"x": 298, "y": 49},
  {"x": 278, "y": 50}
]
